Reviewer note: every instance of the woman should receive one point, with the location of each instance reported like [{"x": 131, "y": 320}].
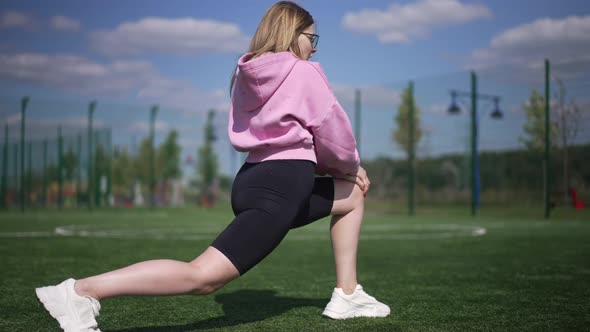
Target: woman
[{"x": 285, "y": 115}]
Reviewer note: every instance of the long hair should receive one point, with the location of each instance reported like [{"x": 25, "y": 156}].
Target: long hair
[{"x": 279, "y": 30}]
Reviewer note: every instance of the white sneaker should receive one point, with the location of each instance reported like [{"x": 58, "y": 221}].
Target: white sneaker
[
  {"x": 357, "y": 304},
  {"x": 74, "y": 313}
]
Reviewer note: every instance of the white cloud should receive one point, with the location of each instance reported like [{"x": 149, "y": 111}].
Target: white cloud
[
  {"x": 13, "y": 119},
  {"x": 184, "y": 96},
  {"x": 38, "y": 128},
  {"x": 178, "y": 36},
  {"x": 82, "y": 76},
  {"x": 518, "y": 108},
  {"x": 13, "y": 19},
  {"x": 565, "y": 40},
  {"x": 402, "y": 23},
  {"x": 78, "y": 122},
  {"x": 378, "y": 96},
  {"x": 189, "y": 143},
  {"x": 188, "y": 128},
  {"x": 76, "y": 74},
  {"x": 438, "y": 108},
  {"x": 144, "y": 127},
  {"x": 64, "y": 23}
]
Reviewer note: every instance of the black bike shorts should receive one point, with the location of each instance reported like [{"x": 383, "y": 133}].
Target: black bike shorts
[{"x": 268, "y": 199}]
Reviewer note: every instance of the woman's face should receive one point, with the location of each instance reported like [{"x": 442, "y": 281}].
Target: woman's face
[{"x": 305, "y": 45}]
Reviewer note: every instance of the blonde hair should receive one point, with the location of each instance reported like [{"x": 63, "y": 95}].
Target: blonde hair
[{"x": 279, "y": 30}]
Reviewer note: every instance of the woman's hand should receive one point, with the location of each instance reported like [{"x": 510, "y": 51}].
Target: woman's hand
[{"x": 360, "y": 179}]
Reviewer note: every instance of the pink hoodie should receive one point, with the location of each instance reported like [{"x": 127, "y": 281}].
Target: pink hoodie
[{"x": 283, "y": 107}]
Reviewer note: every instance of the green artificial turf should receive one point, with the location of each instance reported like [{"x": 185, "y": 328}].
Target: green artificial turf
[{"x": 439, "y": 271}]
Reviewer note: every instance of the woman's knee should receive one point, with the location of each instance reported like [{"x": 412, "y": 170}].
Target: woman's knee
[
  {"x": 204, "y": 283},
  {"x": 211, "y": 271},
  {"x": 347, "y": 197},
  {"x": 206, "y": 288},
  {"x": 357, "y": 197}
]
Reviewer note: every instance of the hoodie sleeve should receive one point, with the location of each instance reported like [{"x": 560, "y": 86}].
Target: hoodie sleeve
[
  {"x": 334, "y": 142},
  {"x": 335, "y": 145}
]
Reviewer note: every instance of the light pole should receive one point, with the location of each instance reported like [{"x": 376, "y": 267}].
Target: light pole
[
  {"x": 357, "y": 119},
  {"x": 547, "y": 139},
  {"x": 496, "y": 114},
  {"x": 4, "y": 167},
  {"x": 90, "y": 186},
  {"x": 23, "y": 111},
  {"x": 411, "y": 150},
  {"x": 154, "y": 111}
]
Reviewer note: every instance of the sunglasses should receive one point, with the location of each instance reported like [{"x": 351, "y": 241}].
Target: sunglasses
[{"x": 313, "y": 38}]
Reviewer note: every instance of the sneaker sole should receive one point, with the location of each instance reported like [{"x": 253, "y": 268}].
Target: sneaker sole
[{"x": 354, "y": 314}]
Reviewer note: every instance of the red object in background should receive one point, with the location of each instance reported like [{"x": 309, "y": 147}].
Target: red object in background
[{"x": 578, "y": 205}]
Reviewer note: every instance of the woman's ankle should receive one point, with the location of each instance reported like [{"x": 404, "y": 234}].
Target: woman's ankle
[
  {"x": 348, "y": 288},
  {"x": 81, "y": 288}
]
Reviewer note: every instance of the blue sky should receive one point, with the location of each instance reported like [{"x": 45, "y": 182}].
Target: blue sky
[{"x": 180, "y": 54}]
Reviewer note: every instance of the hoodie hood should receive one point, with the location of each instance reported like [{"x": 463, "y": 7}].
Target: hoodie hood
[{"x": 258, "y": 79}]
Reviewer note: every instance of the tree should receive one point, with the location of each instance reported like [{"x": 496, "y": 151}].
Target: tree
[
  {"x": 534, "y": 127},
  {"x": 143, "y": 161},
  {"x": 101, "y": 161},
  {"x": 568, "y": 121},
  {"x": 401, "y": 134},
  {"x": 102, "y": 169},
  {"x": 122, "y": 175},
  {"x": 207, "y": 166},
  {"x": 168, "y": 157},
  {"x": 70, "y": 163},
  {"x": 51, "y": 173}
]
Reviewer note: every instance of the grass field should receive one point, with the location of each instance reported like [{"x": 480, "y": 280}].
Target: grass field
[{"x": 439, "y": 271}]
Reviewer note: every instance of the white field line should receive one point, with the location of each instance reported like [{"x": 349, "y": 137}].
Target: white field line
[
  {"x": 25, "y": 234},
  {"x": 102, "y": 215},
  {"x": 210, "y": 230},
  {"x": 370, "y": 232}
]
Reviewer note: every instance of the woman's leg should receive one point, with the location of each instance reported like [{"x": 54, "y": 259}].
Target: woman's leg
[
  {"x": 348, "y": 298},
  {"x": 204, "y": 275},
  {"x": 345, "y": 228},
  {"x": 264, "y": 208}
]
